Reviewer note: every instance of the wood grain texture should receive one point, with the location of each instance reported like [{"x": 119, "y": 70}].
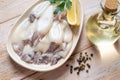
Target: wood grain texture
[
  {"x": 9, "y": 70},
  {"x": 10, "y": 9}
]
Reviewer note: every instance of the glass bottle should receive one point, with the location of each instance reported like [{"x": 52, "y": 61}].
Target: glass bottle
[{"x": 104, "y": 27}]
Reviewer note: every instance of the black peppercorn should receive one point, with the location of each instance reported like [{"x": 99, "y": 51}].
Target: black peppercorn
[
  {"x": 82, "y": 63},
  {"x": 87, "y": 71},
  {"x": 88, "y": 65},
  {"x": 76, "y": 68},
  {"x": 71, "y": 69},
  {"x": 91, "y": 55},
  {"x": 67, "y": 65}
]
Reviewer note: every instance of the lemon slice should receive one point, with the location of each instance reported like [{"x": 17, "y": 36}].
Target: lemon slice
[{"x": 73, "y": 15}]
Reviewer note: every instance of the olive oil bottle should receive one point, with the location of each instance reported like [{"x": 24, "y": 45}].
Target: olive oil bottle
[{"x": 104, "y": 27}]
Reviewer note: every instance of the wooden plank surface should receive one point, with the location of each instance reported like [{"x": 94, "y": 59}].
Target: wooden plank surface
[{"x": 10, "y": 10}]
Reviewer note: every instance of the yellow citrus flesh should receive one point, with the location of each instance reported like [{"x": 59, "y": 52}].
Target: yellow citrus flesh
[{"x": 73, "y": 15}]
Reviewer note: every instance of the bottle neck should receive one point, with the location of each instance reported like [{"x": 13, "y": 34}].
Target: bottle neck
[
  {"x": 108, "y": 15},
  {"x": 106, "y": 19}
]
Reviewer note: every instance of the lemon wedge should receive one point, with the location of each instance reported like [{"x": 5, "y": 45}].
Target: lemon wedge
[{"x": 73, "y": 15}]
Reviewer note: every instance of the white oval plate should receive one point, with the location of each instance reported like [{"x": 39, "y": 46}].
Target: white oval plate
[{"x": 43, "y": 67}]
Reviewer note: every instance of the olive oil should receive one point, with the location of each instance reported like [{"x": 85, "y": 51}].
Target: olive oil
[
  {"x": 101, "y": 32},
  {"x": 104, "y": 27}
]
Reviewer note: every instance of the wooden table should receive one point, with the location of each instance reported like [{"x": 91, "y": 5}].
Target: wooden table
[{"x": 10, "y": 11}]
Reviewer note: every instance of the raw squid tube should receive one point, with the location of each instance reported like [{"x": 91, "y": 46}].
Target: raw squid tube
[
  {"x": 45, "y": 21},
  {"x": 23, "y": 31},
  {"x": 42, "y": 47},
  {"x": 63, "y": 24},
  {"x": 29, "y": 32},
  {"x": 63, "y": 45},
  {"x": 40, "y": 8},
  {"x": 45, "y": 39},
  {"x": 27, "y": 49},
  {"x": 67, "y": 34},
  {"x": 56, "y": 32},
  {"x": 67, "y": 49},
  {"x": 44, "y": 44}
]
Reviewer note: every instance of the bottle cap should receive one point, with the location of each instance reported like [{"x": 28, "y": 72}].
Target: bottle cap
[{"x": 111, "y": 5}]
